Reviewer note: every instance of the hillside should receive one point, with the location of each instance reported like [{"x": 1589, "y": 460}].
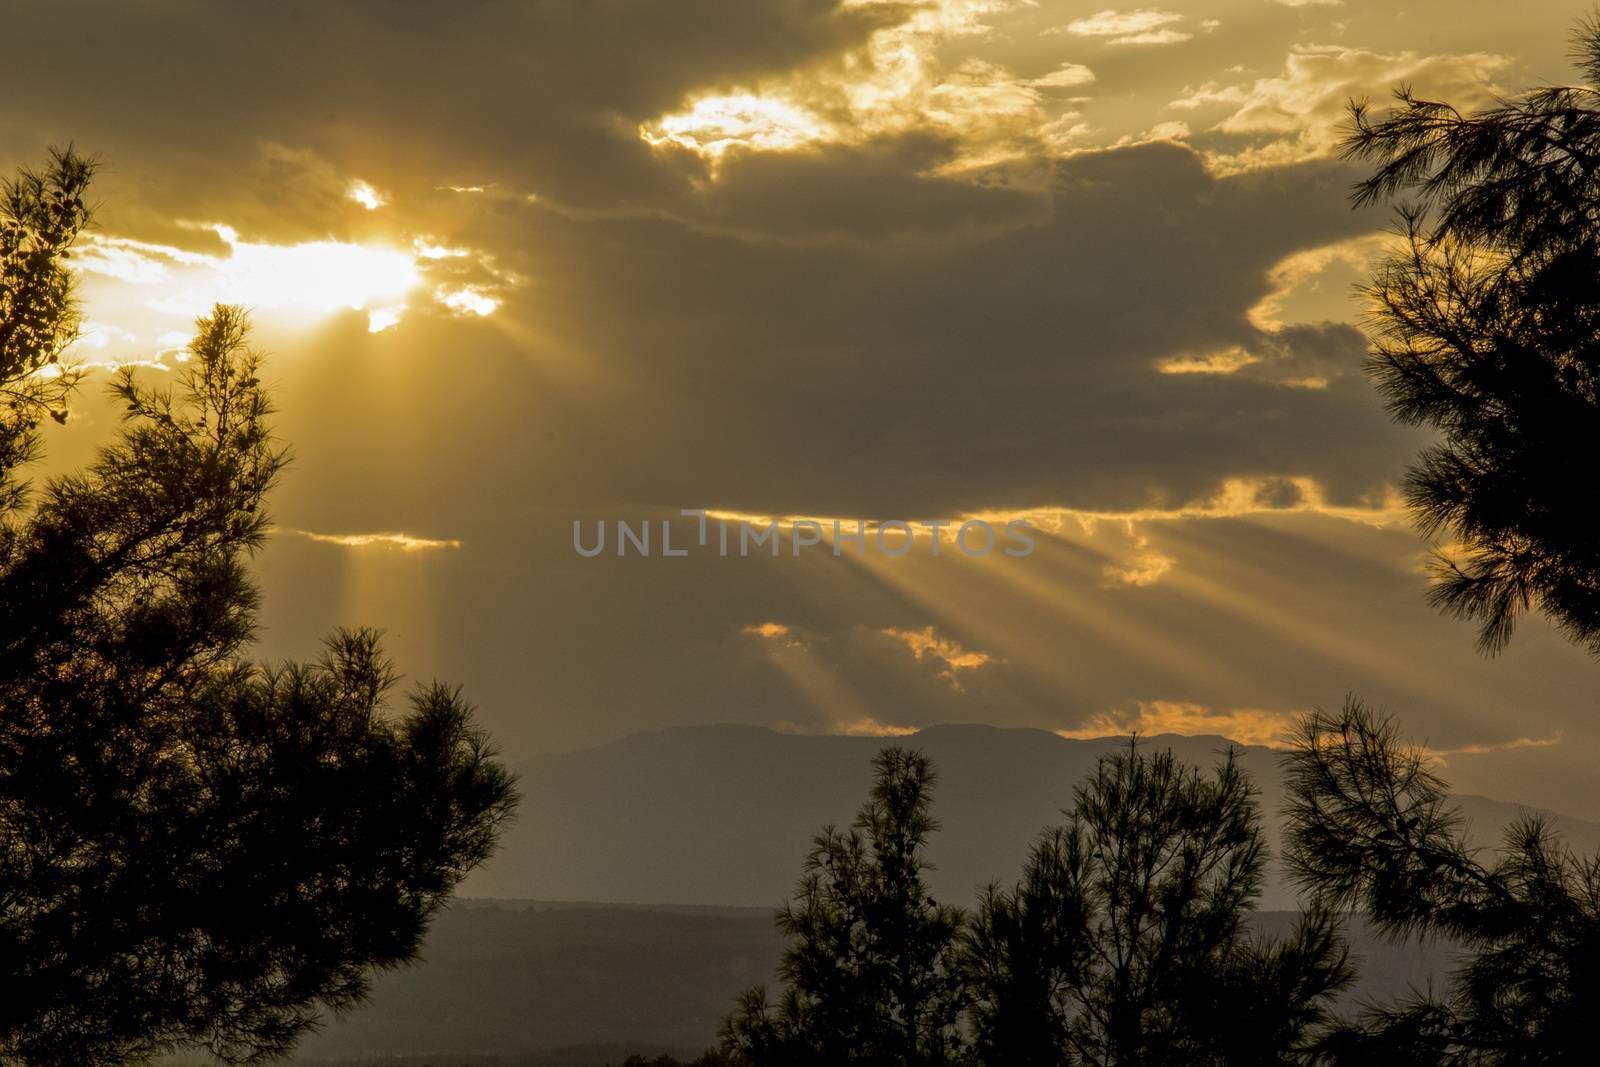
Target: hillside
[{"x": 724, "y": 814}]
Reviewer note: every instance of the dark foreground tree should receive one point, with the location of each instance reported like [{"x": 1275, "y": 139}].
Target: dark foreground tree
[
  {"x": 870, "y": 973},
  {"x": 1125, "y": 941},
  {"x": 194, "y": 851},
  {"x": 1488, "y": 331},
  {"x": 1371, "y": 829}
]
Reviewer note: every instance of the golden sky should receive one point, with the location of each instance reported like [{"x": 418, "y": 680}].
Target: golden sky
[{"x": 523, "y": 264}]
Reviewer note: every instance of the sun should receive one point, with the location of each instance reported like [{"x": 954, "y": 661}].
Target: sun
[
  {"x": 148, "y": 288},
  {"x": 313, "y": 278}
]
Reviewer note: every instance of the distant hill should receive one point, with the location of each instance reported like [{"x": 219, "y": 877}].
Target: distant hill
[
  {"x": 724, "y": 814},
  {"x": 524, "y": 984}
]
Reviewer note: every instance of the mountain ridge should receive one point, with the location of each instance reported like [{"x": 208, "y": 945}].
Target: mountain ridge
[{"x": 723, "y": 813}]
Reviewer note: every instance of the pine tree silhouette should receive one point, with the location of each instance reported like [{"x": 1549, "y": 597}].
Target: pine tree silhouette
[
  {"x": 195, "y": 851},
  {"x": 1487, "y": 330}
]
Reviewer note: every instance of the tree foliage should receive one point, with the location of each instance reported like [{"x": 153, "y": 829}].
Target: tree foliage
[
  {"x": 1371, "y": 829},
  {"x": 195, "y": 851},
  {"x": 1487, "y": 329},
  {"x": 1125, "y": 940},
  {"x": 870, "y": 973},
  {"x": 41, "y": 215}
]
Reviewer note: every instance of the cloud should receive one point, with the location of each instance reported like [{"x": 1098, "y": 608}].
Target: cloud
[
  {"x": 1247, "y": 726},
  {"x": 1154, "y": 37},
  {"x": 314, "y": 277},
  {"x": 1299, "y": 277},
  {"x": 1063, "y": 300},
  {"x": 131, "y": 261},
  {"x": 897, "y": 83},
  {"x": 99, "y": 335},
  {"x": 1112, "y": 23},
  {"x": 1146, "y": 26},
  {"x": 403, "y": 542},
  {"x": 1165, "y": 131},
  {"x": 870, "y": 727},
  {"x": 552, "y": 107},
  {"x": 1146, "y": 566},
  {"x": 1299, "y": 115},
  {"x": 1443, "y": 756},
  {"x": 467, "y": 300},
  {"x": 1066, "y": 76},
  {"x": 1228, "y": 360},
  {"x": 926, "y": 643},
  {"x": 365, "y": 195},
  {"x": 297, "y": 281},
  {"x": 776, "y": 632}
]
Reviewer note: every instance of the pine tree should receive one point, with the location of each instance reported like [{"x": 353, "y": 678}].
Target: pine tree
[
  {"x": 195, "y": 851},
  {"x": 1371, "y": 829},
  {"x": 1486, "y": 330},
  {"x": 1125, "y": 941},
  {"x": 870, "y": 971}
]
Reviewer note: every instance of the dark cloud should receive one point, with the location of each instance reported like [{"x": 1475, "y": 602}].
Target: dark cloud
[
  {"x": 922, "y": 374},
  {"x": 182, "y": 96}
]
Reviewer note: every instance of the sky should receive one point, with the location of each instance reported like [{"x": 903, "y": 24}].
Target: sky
[{"x": 517, "y": 266}]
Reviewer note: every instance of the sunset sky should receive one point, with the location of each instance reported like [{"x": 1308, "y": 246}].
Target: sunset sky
[{"x": 521, "y": 264}]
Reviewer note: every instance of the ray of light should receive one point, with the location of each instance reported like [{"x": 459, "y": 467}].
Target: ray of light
[
  {"x": 1218, "y": 579},
  {"x": 831, "y": 699},
  {"x": 1029, "y": 611}
]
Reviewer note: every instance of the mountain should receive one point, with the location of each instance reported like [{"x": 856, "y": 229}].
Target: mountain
[{"x": 725, "y": 814}]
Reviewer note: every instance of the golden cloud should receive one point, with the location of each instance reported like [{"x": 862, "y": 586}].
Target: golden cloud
[
  {"x": 1442, "y": 755},
  {"x": 1298, "y": 115},
  {"x": 774, "y": 631},
  {"x": 899, "y": 81},
  {"x": 1142, "y": 27},
  {"x": 926, "y": 643},
  {"x": 1223, "y": 361},
  {"x": 1247, "y": 726},
  {"x": 1300, "y": 278},
  {"x": 871, "y": 727},
  {"x": 1145, "y": 567},
  {"x": 404, "y": 542}
]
